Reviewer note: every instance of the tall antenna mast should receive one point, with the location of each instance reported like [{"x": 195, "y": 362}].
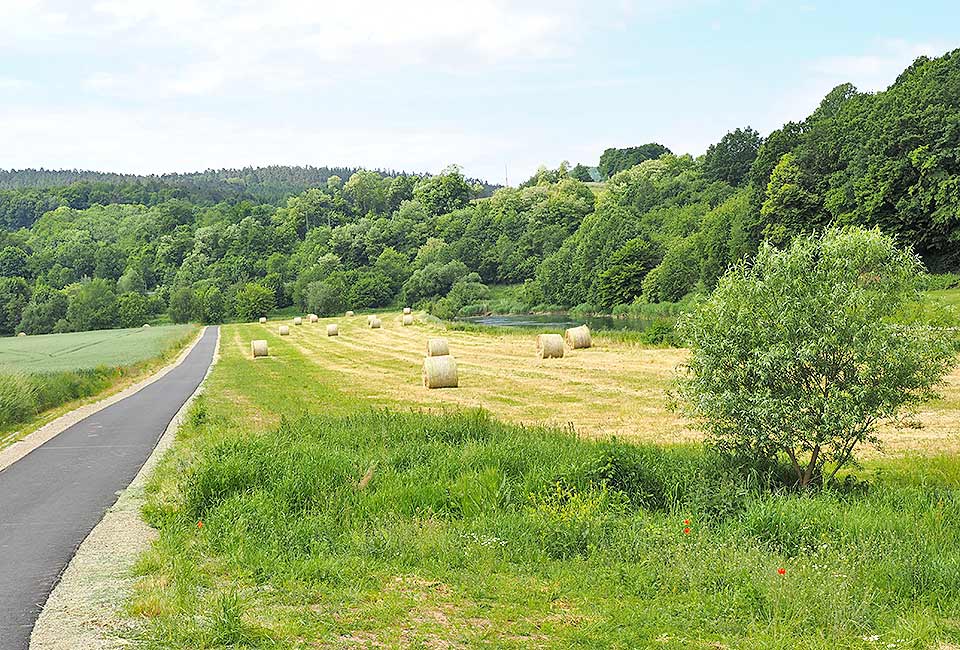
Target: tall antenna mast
[{"x": 506, "y": 179}]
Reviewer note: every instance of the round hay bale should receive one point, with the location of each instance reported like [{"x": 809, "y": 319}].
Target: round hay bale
[
  {"x": 440, "y": 372},
  {"x": 263, "y": 319},
  {"x": 549, "y": 346},
  {"x": 146, "y": 325},
  {"x": 298, "y": 321},
  {"x": 22, "y": 334},
  {"x": 578, "y": 337},
  {"x": 407, "y": 310},
  {"x": 407, "y": 319},
  {"x": 313, "y": 318},
  {"x": 333, "y": 330},
  {"x": 370, "y": 318},
  {"x": 374, "y": 323},
  {"x": 437, "y": 347},
  {"x": 284, "y": 330},
  {"x": 258, "y": 348},
  {"x": 349, "y": 313}
]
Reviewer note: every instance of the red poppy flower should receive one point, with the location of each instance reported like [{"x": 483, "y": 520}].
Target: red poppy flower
[
  {"x": 686, "y": 531},
  {"x": 781, "y": 571},
  {"x": 200, "y": 524},
  {"x": 686, "y": 522}
]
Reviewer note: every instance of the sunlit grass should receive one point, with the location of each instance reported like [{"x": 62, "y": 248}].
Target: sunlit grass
[{"x": 329, "y": 524}]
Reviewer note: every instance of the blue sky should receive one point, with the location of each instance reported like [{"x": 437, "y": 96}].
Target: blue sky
[{"x": 179, "y": 85}]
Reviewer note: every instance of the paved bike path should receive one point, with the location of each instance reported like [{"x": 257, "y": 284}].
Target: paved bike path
[{"x": 53, "y": 497}]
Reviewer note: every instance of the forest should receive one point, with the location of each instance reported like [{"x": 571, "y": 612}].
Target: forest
[{"x": 83, "y": 250}]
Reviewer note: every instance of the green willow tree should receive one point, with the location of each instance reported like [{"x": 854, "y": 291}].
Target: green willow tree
[{"x": 795, "y": 355}]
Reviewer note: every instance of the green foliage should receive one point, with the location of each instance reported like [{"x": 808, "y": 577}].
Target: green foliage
[
  {"x": 623, "y": 279},
  {"x": 14, "y": 297},
  {"x": 253, "y": 301},
  {"x": 614, "y": 160},
  {"x": 324, "y": 299},
  {"x": 730, "y": 159},
  {"x": 14, "y": 263},
  {"x": 796, "y": 354},
  {"x": 444, "y": 193},
  {"x": 132, "y": 310},
  {"x": 434, "y": 279},
  {"x": 92, "y": 305},
  {"x": 47, "y": 306},
  {"x": 182, "y": 305},
  {"x": 677, "y": 274},
  {"x": 132, "y": 280},
  {"x": 212, "y": 305}
]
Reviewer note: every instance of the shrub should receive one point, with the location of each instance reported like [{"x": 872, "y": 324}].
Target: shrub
[
  {"x": 794, "y": 355},
  {"x": 182, "y": 305},
  {"x": 132, "y": 309},
  {"x": 253, "y": 301},
  {"x": 92, "y": 305},
  {"x": 211, "y": 305},
  {"x": 47, "y": 306},
  {"x": 324, "y": 299}
]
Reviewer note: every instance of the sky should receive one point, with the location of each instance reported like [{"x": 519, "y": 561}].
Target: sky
[{"x": 498, "y": 87}]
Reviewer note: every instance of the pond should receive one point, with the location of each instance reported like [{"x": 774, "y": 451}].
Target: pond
[{"x": 561, "y": 321}]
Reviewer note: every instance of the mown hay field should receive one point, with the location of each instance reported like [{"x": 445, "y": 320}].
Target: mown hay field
[{"x": 615, "y": 388}]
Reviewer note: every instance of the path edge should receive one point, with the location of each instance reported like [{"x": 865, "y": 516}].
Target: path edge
[
  {"x": 17, "y": 450},
  {"x": 84, "y": 610}
]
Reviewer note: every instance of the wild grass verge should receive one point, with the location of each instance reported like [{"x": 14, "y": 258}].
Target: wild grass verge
[
  {"x": 26, "y": 393},
  {"x": 378, "y": 528},
  {"x": 23, "y": 395}
]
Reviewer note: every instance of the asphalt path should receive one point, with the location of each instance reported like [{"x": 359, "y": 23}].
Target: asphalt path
[{"x": 52, "y": 498}]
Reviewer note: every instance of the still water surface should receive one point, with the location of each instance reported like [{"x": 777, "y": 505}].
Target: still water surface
[{"x": 560, "y": 321}]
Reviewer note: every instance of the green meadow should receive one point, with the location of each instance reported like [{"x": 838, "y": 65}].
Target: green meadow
[{"x": 298, "y": 511}]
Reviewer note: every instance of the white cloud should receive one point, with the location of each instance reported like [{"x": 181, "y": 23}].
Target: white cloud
[
  {"x": 236, "y": 41},
  {"x": 869, "y": 72},
  {"x": 155, "y": 141},
  {"x": 876, "y": 70}
]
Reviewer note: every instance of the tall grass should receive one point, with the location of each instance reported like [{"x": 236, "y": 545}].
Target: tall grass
[
  {"x": 326, "y": 529},
  {"x": 23, "y": 396},
  {"x": 38, "y": 373}
]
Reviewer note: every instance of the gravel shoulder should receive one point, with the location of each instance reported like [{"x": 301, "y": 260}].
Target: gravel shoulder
[{"x": 85, "y": 610}]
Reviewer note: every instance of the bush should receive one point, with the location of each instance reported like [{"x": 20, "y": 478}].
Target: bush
[
  {"x": 46, "y": 307},
  {"x": 132, "y": 309},
  {"x": 583, "y": 309},
  {"x": 212, "y": 307},
  {"x": 794, "y": 356},
  {"x": 253, "y": 301},
  {"x": 182, "y": 305},
  {"x": 92, "y": 305},
  {"x": 940, "y": 281},
  {"x": 323, "y": 299}
]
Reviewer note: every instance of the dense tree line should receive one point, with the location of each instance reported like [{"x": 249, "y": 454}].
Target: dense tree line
[
  {"x": 26, "y": 194},
  {"x": 656, "y": 231}
]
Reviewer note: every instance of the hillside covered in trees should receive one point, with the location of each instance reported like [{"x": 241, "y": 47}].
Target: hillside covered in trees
[{"x": 100, "y": 251}]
